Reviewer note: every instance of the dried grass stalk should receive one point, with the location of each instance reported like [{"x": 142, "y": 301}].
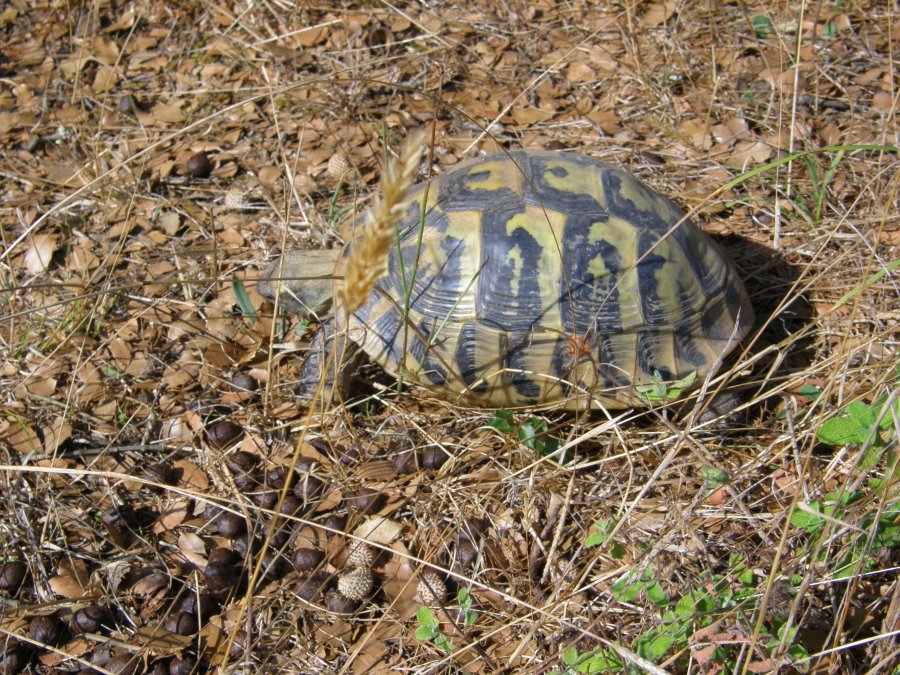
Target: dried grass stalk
[{"x": 367, "y": 261}]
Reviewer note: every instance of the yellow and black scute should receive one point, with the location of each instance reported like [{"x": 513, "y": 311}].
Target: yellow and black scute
[{"x": 547, "y": 278}]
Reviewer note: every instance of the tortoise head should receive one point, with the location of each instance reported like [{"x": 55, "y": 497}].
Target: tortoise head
[{"x": 305, "y": 278}]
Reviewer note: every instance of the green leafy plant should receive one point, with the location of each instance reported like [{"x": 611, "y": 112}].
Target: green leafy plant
[
  {"x": 336, "y": 215},
  {"x": 820, "y": 185},
  {"x": 465, "y": 600},
  {"x": 762, "y": 26},
  {"x": 856, "y": 553},
  {"x": 430, "y": 629},
  {"x": 683, "y": 616},
  {"x": 714, "y": 477},
  {"x": 859, "y": 423},
  {"x": 872, "y": 428},
  {"x": 628, "y": 588},
  {"x": 601, "y": 535},
  {"x": 597, "y": 661},
  {"x": 533, "y": 433},
  {"x": 243, "y": 299},
  {"x": 660, "y": 391}
]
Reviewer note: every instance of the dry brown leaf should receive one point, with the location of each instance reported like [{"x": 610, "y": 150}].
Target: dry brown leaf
[
  {"x": 19, "y": 435},
  {"x": 15, "y": 120},
  {"x": 169, "y": 114},
  {"x": 659, "y": 12},
  {"x": 106, "y": 51},
  {"x": 749, "y": 153},
  {"x": 580, "y": 72},
  {"x": 58, "y": 432},
  {"x": 379, "y": 530},
  {"x": 697, "y": 132},
  {"x": 528, "y": 116},
  {"x": 192, "y": 477},
  {"x": 883, "y": 101},
  {"x": 172, "y": 516},
  {"x": 71, "y": 579},
  {"x": 82, "y": 259},
  {"x": 105, "y": 79},
  {"x": 124, "y": 21},
  {"x": 39, "y": 253}
]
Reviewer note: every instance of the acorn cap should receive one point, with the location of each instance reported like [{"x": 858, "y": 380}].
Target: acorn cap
[
  {"x": 338, "y": 165},
  {"x": 361, "y": 554},
  {"x": 355, "y": 584},
  {"x": 432, "y": 590}
]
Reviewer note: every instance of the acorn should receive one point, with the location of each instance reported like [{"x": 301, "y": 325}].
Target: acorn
[
  {"x": 369, "y": 500},
  {"x": 473, "y": 528},
  {"x": 242, "y": 466},
  {"x": 125, "y": 664},
  {"x": 199, "y": 166},
  {"x": 244, "y": 383},
  {"x": 406, "y": 462},
  {"x": 220, "y": 579},
  {"x": 291, "y": 505},
  {"x": 335, "y": 523},
  {"x": 12, "y": 574},
  {"x": 159, "y": 667},
  {"x": 435, "y": 457},
  {"x": 222, "y": 556},
  {"x": 161, "y": 472},
  {"x": 13, "y": 656},
  {"x": 202, "y": 605},
  {"x": 339, "y": 603},
  {"x": 308, "y": 559},
  {"x": 356, "y": 584},
  {"x": 238, "y": 644},
  {"x": 274, "y": 565},
  {"x": 90, "y": 619},
  {"x": 308, "y": 487},
  {"x": 182, "y": 666},
  {"x": 224, "y": 433},
  {"x": 48, "y": 630},
  {"x": 277, "y": 476},
  {"x": 240, "y": 461},
  {"x": 305, "y": 464},
  {"x": 180, "y": 623},
  {"x": 129, "y": 105},
  {"x": 265, "y": 499},
  {"x": 431, "y": 589},
  {"x": 466, "y": 552},
  {"x": 231, "y": 525},
  {"x": 243, "y": 546},
  {"x": 311, "y": 588}
]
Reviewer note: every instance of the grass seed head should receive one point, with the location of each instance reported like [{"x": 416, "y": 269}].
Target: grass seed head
[{"x": 367, "y": 259}]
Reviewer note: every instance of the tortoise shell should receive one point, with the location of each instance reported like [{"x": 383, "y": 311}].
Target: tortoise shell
[{"x": 536, "y": 278}]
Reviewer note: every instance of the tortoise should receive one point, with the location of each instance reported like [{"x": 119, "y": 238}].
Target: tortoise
[{"x": 535, "y": 278}]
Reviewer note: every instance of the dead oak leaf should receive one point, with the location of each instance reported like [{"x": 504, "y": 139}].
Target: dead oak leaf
[
  {"x": 659, "y": 12},
  {"x": 40, "y": 251},
  {"x": 71, "y": 580}
]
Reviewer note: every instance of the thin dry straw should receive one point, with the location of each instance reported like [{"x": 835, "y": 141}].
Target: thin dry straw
[{"x": 367, "y": 261}]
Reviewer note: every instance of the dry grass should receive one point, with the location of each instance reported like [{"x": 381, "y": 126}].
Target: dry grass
[{"x": 143, "y": 468}]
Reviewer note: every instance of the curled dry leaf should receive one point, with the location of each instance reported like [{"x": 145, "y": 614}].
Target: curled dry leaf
[
  {"x": 379, "y": 530},
  {"x": 40, "y": 252},
  {"x": 71, "y": 580},
  {"x": 192, "y": 548}
]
